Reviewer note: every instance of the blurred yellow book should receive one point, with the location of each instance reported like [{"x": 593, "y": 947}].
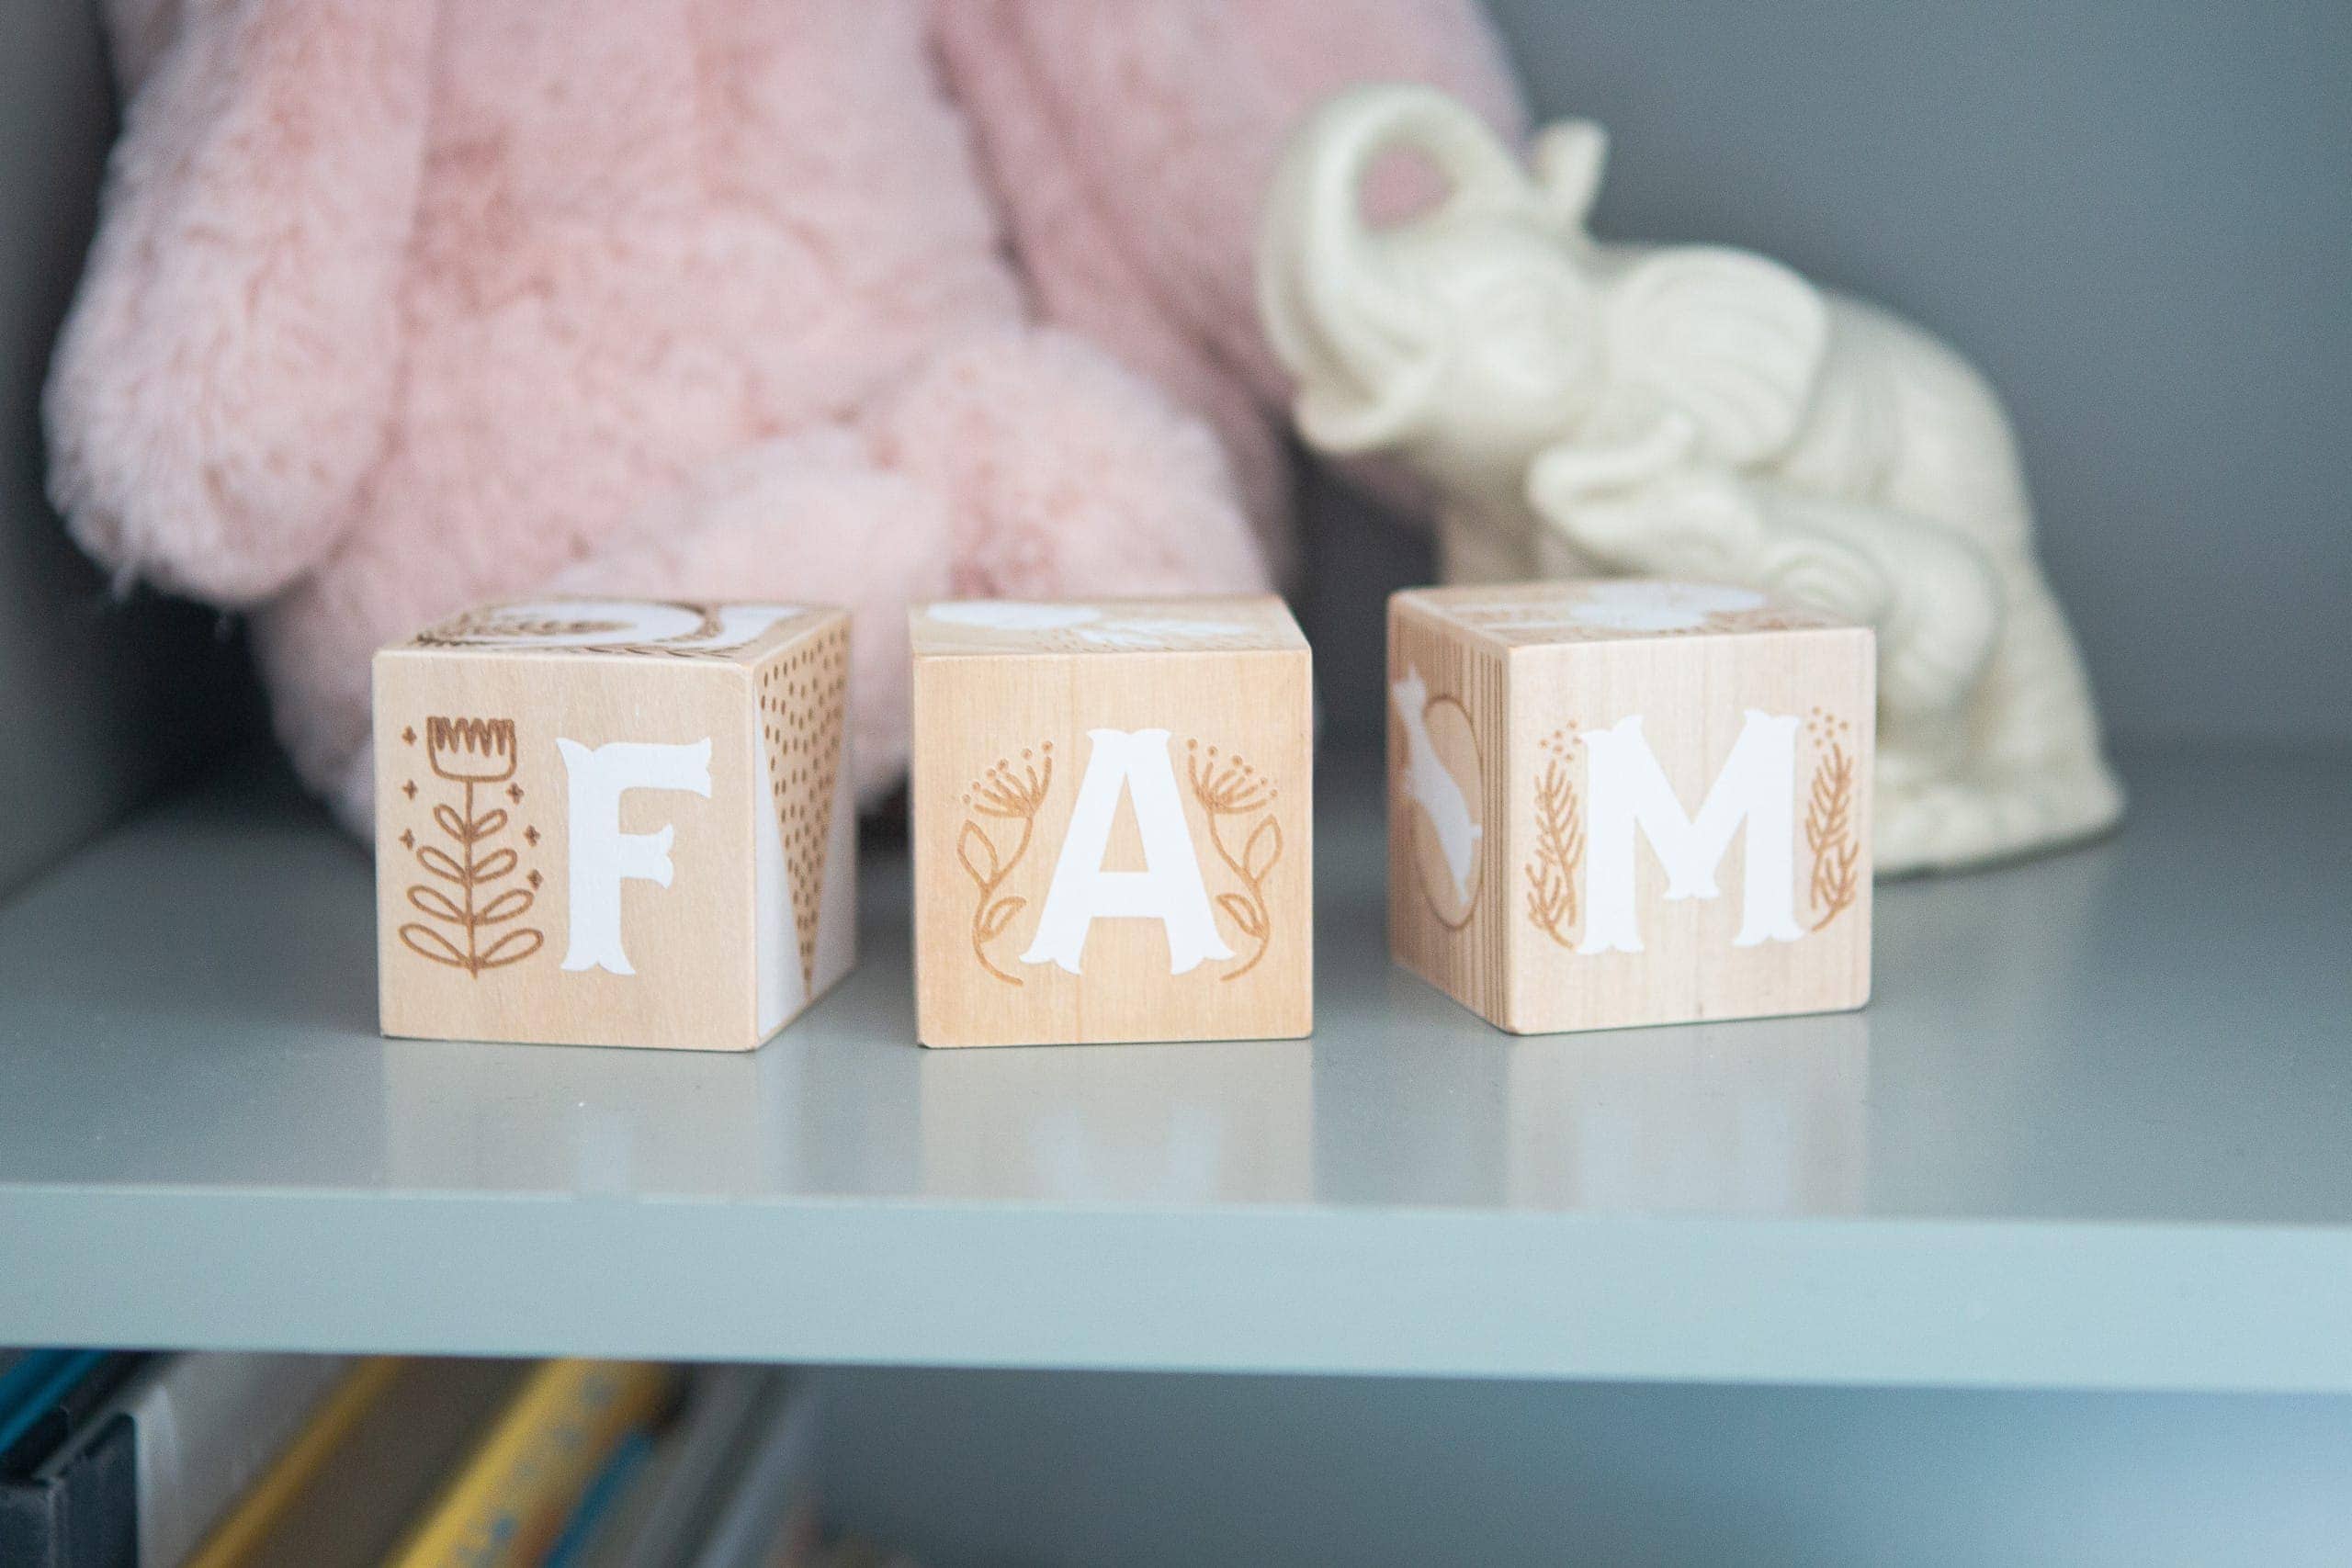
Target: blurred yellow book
[
  {"x": 351, "y": 1484},
  {"x": 235, "y": 1542},
  {"x": 509, "y": 1501}
]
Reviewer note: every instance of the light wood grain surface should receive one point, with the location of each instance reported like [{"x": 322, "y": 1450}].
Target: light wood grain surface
[
  {"x": 1508, "y": 684},
  {"x": 481, "y": 729},
  {"x": 1010, "y": 721}
]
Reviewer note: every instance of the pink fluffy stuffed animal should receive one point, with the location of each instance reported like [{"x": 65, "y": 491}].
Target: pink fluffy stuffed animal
[{"x": 400, "y": 305}]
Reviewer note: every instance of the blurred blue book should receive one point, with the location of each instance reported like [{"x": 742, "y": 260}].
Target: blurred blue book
[
  {"x": 81, "y": 1516},
  {"x": 112, "y": 1461}
]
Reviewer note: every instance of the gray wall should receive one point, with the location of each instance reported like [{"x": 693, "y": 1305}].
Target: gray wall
[
  {"x": 2135, "y": 217},
  {"x": 101, "y": 700}
]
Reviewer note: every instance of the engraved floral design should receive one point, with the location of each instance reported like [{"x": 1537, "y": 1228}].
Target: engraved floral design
[
  {"x": 470, "y": 753},
  {"x": 1008, "y": 792},
  {"x": 1228, "y": 786},
  {"x": 1559, "y": 841},
  {"x": 1829, "y": 820},
  {"x": 575, "y": 628},
  {"x": 497, "y": 625}
]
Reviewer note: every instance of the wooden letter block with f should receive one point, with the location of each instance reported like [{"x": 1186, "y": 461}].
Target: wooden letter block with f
[
  {"x": 1617, "y": 803},
  {"x": 614, "y": 823},
  {"x": 1111, "y": 823}
]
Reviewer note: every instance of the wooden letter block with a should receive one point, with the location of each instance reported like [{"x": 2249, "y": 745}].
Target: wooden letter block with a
[
  {"x": 614, "y": 823},
  {"x": 1112, "y": 836},
  {"x": 1624, "y": 803}
]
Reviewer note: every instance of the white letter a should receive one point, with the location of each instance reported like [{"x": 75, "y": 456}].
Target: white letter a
[{"x": 1168, "y": 889}]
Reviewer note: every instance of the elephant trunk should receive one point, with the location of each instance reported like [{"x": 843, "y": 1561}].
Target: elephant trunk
[{"x": 1364, "y": 339}]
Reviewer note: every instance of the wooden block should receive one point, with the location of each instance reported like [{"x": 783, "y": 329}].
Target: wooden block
[
  {"x": 1111, "y": 821},
  {"x": 614, "y": 823},
  {"x": 1617, "y": 803}
]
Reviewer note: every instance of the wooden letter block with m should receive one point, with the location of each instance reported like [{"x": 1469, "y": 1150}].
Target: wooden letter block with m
[
  {"x": 614, "y": 823},
  {"x": 1618, "y": 803},
  {"x": 1112, "y": 834}
]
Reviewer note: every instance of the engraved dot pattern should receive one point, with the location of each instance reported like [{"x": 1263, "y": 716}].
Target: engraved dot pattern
[{"x": 802, "y": 706}]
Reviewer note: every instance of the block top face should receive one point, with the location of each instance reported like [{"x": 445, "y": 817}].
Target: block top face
[
  {"x": 728, "y": 632},
  {"x": 1577, "y": 610},
  {"x": 1240, "y": 624}
]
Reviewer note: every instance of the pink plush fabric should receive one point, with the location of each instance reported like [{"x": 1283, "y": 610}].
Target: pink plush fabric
[{"x": 398, "y": 305}]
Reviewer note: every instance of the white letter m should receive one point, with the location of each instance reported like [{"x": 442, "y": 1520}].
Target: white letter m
[{"x": 1628, "y": 791}]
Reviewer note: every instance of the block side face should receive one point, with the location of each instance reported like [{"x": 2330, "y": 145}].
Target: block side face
[
  {"x": 1105, "y": 628},
  {"x": 1113, "y": 848},
  {"x": 521, "y": 869},
  {"x": 802, "y": 832},
  {"x": 1854, "y": 652},
  {"x": 583, "y": 626},
  {"x": 933, "y": 734},
  {"x": 1448, "y": 776},
  {"x": 1713, "y": 794}
]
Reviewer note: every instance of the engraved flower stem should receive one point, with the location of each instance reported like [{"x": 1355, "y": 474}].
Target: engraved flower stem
[
  {"x": 1257, "y": 896},
  {"x": 1231, "y": 788},
  {"x": 1009, "y": 793},
  {"x": 466, "y": 846},
  {"x": 987, "y": 898}
]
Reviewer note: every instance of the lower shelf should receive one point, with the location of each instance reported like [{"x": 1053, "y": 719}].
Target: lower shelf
[{"x": 2090, "y": 1135}]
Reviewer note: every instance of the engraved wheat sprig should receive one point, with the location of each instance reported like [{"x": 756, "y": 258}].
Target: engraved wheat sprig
[
  {"x": 1559, "y": 845},
  {"x": 1010, "y": 791},
  {"x": 1829, "y": 822}
]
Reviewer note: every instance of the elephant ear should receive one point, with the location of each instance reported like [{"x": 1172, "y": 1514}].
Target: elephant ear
[{"x": 1726, "y": 337}]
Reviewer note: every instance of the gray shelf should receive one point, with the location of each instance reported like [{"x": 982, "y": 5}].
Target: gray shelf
[{"x": 2094, "y": 1133}]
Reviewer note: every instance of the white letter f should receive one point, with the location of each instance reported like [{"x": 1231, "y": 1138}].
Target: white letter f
[{"x": 602, "y": 856}]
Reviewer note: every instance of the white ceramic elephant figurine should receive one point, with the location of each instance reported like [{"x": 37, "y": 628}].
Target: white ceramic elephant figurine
[{"x": 1693, "y": 412}]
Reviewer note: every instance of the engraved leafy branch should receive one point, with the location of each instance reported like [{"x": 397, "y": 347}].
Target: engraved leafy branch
[
  {"x": 1829, "y": 822},
  {"x": 1012, "y": 793},
  {"x": 1559, "y": 845},
  {"x": 469, "y": 752},
  {"x": 1230, "y": 786}
]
